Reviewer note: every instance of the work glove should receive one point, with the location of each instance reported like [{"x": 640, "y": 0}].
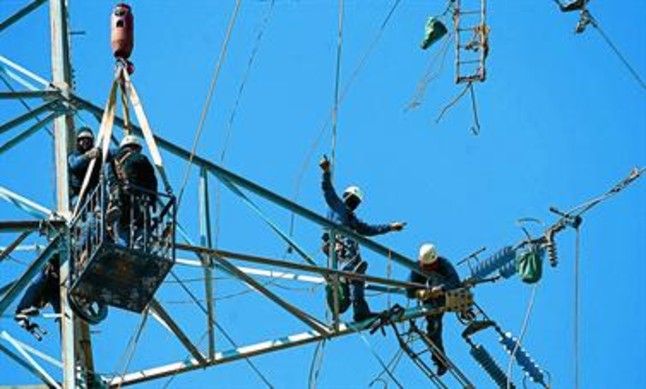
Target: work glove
[
  {"x": 397, "y": 226},
  {"x": 325, "y": 164},
  {"x": 93, "y": 153},
  {"x": 423, "y": 294}
]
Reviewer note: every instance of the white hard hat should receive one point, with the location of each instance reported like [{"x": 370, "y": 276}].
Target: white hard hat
[
  {"x": 129, "y": 140},
  {"x": 353, "y": 191},
  {"x": 84, "y": 132},
  {"x": 427, "y": 254}
]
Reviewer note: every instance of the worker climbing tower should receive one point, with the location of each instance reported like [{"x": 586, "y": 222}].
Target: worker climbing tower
[{"x": 471, "y": 40}]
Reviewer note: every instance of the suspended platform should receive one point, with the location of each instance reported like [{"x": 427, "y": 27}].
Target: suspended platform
[{"x": 120, "y": 262}]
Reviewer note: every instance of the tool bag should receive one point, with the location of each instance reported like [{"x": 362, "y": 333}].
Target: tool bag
[
  {"x": 529, "y": 263},
  {"x": 433, "y": 32},
  {"x": 343, "y": 291}
]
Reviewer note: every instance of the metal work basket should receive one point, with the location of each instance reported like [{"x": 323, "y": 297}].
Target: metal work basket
[{"x": 122, "y": 248}]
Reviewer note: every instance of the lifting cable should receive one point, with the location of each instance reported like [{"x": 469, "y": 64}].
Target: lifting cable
[
  {"x": 394, "y": 361},
  {"x": 132, "y": 346},
  {"x": 317, "y": 358},
  {"x": 381, "y": 362},
  {"x": 430, "y": 74},
  {"x": 315, "y": 366},
  {"x": 586, "y": 18},
  {"x": 335, "y": 110},
  {"x": 523, "y": 329},
  {"x": 229, "y": 129},
  {"x": 614, "y": 48},
  {"x": 245, "y": 77},
  {"x": 364, "y": 59},
  {"x": 209, "y": 96},
  {"x": 577, "y": 256},
  {"x": 475, "y": 128}
]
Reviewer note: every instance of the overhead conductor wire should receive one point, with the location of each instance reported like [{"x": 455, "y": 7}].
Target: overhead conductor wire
[
  {"x": 221, "y": 329},
  {"x": 577, "y": 255},
  {"x": 344, "y": 92},
  {"x": 523, "y": 329},
  {"x": 614, "y": 48},
  {"x": 229, "y": 130},
  {"x": 209, "y": 96},
  {"x": 317, "y": 358},
  {"x": 335, "y": 111}
]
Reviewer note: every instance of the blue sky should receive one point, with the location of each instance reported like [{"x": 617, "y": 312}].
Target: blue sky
[{"x": 562, "y": 120}]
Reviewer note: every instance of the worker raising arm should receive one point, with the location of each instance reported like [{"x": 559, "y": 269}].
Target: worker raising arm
[{"x": 342, "y": 211}]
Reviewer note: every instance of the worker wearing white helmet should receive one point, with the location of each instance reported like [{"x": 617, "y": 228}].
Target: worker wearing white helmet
[
  {"x": 132, "y": 185},
  {"x": 342, "y": 211},
  {"x": 78, "y": 162},
  {"x": 130, "y": 141},
  {"x": 441, "y": 276}
]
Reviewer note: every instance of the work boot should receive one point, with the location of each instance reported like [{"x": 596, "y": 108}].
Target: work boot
[
  {"x": 26, "y": 313},
  {"x": 362, "y": 311},
  {"x": 441, "y": 369},
  {"x": 22, "y": 319}
]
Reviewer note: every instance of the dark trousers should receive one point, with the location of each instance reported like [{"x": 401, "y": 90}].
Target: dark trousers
[
  {"x": 42, "y": 291},
  {"x": 357, "y": 287},
  {"x": 434, "y": 332}
]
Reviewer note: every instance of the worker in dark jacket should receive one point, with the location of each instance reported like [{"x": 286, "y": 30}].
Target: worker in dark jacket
[
  {"x": 42, "y": 291},
  {"x": 133, "y": 189},
  {"x": 342, "y": 211},
  {"x": 442, "y": 277},
  {"x": 79, "y": 161}
]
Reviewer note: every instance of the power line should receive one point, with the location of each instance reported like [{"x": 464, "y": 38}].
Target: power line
[
  {"x": 209, "y": 96},
  {"x": 229, "y": 129},
  {"x": 622, "y": 57},
  {"x": 364, "y": 59},
  {"x": 335, "y": 111},
  {"x": 221, "y": 329}
]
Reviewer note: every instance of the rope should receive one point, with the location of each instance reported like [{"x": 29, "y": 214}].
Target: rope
[
  {"x": 221, "y": 329},
  {"x": 614, "y": 48},
  {"x": 209, "y": 96},
  {"x": 132, "y": 345},
  {"x": 234, "y": 110},
  {"x": 576, "y": 307},
  {"x": 394, "y": 361},
  {"x": 429, "y": 75},
  {"x": 523, "y": 328},
  {"x": 474, "y": 107},
  {"x": 308, "y": 157},
  {"x": 199, "y": 279},
  {"x": 452, "y": 102},
  {"x": 381, "y": 362},
  {"x": 315, "y": 366},
  {"x": 335, "y": 111},
  {"x": 389, "y": 273},
  {"x": 188, "y": 358},
  {"x": 245, "y": 78}
]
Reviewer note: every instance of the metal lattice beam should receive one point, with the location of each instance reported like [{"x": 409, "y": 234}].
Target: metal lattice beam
[
  {"x": 21, "y": 13},
  {"x": 255, "y": 349}
]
